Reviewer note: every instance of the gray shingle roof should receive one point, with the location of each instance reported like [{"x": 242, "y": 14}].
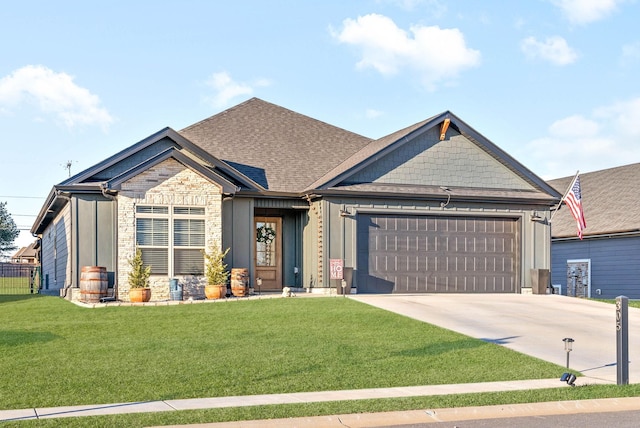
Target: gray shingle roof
[
  {"x": 279, "y": 149},
  {"x": 609, "y": 200}
]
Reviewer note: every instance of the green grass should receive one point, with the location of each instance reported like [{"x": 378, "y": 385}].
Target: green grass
[
  {"x": 14, "y": 285},
  {"x": 54, "y": 353},
  {"x": 632, "y": 303}
]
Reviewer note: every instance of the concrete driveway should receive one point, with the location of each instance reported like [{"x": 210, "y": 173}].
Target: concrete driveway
[{"x": 531, "y": 324}]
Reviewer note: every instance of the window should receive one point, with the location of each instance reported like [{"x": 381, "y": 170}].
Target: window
[
  {"x": 171, "y": 240},
  {"x": 266, "y": 233}
]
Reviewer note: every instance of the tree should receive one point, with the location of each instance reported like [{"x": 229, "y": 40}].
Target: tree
[{"x": 8, "y": 230}]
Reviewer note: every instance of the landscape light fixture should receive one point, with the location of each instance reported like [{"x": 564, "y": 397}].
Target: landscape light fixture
[
  {"x": 568, "y": 347},
  {"x": 570, "y": 378}
]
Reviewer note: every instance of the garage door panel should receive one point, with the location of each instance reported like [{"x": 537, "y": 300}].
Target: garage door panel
[{"x": 437, "y": 254}]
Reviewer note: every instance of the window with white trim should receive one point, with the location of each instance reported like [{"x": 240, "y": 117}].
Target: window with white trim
[{"x": 171, "y": 239}]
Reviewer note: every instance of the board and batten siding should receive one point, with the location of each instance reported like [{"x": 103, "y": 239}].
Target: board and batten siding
[
  {"x": 615, "y": 264},
  {"x": 341, "y": 241},
  {"x": 56, "y": 254}
]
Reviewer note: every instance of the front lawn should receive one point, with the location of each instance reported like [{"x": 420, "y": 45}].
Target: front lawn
[{"x": 54, "y": 353}]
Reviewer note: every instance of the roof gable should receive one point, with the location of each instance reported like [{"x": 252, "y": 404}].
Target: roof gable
[
  {"x": 416, "y": 156},
  {"x": 454, "y": 162},
  {"x": 171, "y": 153},
  {"x": 146, "y": 150}
]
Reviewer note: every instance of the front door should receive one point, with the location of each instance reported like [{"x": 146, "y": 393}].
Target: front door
[{"x": 268, "y": 239}]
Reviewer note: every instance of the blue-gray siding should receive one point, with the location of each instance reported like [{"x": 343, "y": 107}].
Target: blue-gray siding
[{"x": 615, "y": 264}]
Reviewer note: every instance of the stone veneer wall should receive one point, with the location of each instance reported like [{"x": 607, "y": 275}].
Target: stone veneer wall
[{"x": 169, "y": 183}]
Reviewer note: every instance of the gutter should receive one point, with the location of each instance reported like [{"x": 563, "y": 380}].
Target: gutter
[{"x": 599, "y": 236}]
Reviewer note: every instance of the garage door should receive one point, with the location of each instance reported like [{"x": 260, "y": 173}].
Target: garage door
[{"x": 437, "y": 254}]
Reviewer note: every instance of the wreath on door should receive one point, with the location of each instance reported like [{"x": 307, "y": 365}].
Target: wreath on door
[{"x": 265, "y": 234}]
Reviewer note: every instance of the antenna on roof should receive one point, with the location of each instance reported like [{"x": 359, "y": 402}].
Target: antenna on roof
[{"x": 67, "y": 166}]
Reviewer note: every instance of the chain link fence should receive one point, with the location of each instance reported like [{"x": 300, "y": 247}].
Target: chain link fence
[{"x": 18, "y": 278}]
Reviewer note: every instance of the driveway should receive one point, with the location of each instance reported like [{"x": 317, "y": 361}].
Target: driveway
[{"x": 531, "y": 324}]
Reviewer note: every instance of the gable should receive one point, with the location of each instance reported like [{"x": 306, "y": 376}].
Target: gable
[
  {"x": 427, "y": 161},
  {"x": 131, "y": 161},
  {"x": 171, "y": 182}
]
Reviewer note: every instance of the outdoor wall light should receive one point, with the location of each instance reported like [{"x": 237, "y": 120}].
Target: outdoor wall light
[
  {"x": 535, "y": 217},
  {"x": 568, "y": 347},
  {"x": 448, "y": 192}
]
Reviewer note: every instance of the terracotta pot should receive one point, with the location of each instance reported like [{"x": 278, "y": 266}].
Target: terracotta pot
[
  {"x": 215, "y": 291},
  {"x": 139, "y": 294}
]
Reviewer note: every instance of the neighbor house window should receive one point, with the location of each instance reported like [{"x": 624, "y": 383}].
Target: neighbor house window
[{"x": 171, "y": 239}]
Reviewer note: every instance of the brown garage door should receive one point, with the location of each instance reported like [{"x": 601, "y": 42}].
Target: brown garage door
[{"x": 437, "y": 254}]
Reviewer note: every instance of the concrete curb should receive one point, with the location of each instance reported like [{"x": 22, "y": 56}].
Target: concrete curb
[
  {"x": 365, "y": 420},
  {"x": 293, "y": 398}
]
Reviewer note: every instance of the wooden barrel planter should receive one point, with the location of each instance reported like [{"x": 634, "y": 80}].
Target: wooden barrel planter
[
  {"x": 93, "y": 283},
  {"x": 239, "y": 281}
]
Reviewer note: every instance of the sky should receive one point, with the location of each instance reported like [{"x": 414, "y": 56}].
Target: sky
[{"x": 554, "y": 83}]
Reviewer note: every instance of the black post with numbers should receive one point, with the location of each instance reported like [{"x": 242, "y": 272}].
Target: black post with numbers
[{"x": 622, "y": 339}]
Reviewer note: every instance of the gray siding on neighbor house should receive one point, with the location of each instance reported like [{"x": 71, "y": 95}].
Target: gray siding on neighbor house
[{"x": 615, "y": 264}]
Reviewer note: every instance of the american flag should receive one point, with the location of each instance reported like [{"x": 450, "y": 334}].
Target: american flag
[{"x": 573, "y": 199}]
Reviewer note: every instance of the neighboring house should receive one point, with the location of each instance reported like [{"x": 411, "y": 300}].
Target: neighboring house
[
  {"x": 27, "y": 255},
  {"x": 434, "y": 207},
  {"x": 606, "y": 262}
]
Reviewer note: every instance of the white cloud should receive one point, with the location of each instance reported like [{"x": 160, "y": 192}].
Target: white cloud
[
  {"x": 227, "y": 89},
  {"x": 609, "y": 137},
  {"x": 53, "y": 93},
  {"x": 630, "y": 53},
  {"x": 436, "y": 54},
  {"x": 574, "y": 126},
  {"x": 553, "y": 49},
  {"x": 371, "y": 113},
  {"x": 587, "y": 11},
  {"x": 624, "y": 116},
  {"x": 437, "y": 8}
]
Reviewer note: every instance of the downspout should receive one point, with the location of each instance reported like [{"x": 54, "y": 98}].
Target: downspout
[
  {"x": 68, "y": 199},
  {"x": 104, "y": 187}
]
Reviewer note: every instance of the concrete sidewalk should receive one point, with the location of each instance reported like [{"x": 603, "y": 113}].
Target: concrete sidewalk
[{"x": 303, "y": 397}]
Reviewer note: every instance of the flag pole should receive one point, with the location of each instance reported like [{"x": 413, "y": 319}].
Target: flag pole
[{"x": 565, "y": 195}]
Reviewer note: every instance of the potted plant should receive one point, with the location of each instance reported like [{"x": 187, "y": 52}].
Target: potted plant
[
  {"x": 215, "y": 271},
  {"x": 139, "y": 290}
]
